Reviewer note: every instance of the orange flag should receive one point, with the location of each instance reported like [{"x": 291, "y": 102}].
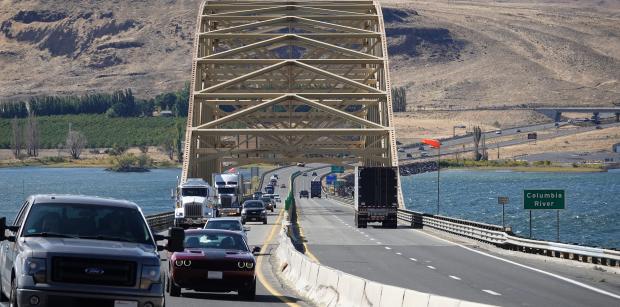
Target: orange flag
[{"x": 433, "y": 143}]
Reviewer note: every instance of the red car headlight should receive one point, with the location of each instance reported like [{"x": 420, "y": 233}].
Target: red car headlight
[
  {"x": 181, "y": 263},
  {"x": 245, "y": 265}
]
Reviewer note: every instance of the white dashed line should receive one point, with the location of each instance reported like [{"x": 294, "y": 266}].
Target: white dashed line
[
  {"x": 413, "y": 259},
  {"x": 491, "y": 292},
  {"x": 372, "y": 239},
  {"x": 430, "y": 267},
  {"x": 399, "y": 254},
  {"x": 388, "y": 248},
  {"x": 379, "y": 243},
  {"x": 455, "y": 277}
]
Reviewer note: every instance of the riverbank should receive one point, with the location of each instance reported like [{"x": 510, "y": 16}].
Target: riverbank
[
  {"x": 498, "y": 165},
  {"x": 61, "y": 162}
]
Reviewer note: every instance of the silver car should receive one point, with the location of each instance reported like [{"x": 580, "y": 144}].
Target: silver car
[{"x": 227, "y": 223}]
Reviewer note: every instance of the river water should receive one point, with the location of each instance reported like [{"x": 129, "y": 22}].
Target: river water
[
  {"x": 591, "y": 217},
  {"x": 592, "y": 214}
]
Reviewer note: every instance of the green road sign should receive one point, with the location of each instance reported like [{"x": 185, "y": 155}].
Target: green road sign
[
  {"x": 543, "y": 199},
  {"x": 337, "y": 169}
]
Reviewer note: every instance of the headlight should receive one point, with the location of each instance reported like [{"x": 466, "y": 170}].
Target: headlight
[
  {"x": 37, "y": 268},
  {"x": 242, "y": 211},
  {"x": 150, "y": 275},
  {"x": 185, "y": 263},
  {"x": 263, "y": 211},
  {"x": 245, "y": 265}
]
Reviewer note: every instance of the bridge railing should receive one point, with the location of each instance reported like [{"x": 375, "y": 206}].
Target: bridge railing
[
  {"x": 503, "y": 238},
  {"x": 160, "y": 221}
]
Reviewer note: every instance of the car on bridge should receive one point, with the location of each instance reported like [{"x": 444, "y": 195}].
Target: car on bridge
[
  {"x": 213, "y": 261},
  {"x": 253, "y": 210},
  {"x": 304, "y": 174},
  {"x": 227, "y": 223},
  {"x": 283, "y": 186},
  {"x": 67, "y": 250},
  {"x": 304, "y": 193},
  {"x": 301, "y": 164}
]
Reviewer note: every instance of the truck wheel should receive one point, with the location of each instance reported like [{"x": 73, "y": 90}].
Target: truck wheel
[
  {"x": 174, "y": 289},
  {"x": 13, "y": 298},
  {"x": 265, "y": 221},
  {"x": 248, "y": 293}
]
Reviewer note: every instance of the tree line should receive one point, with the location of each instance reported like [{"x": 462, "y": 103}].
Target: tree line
[
  {"x": 121, "y": 103},
  {"x": 399, "y": 99}
]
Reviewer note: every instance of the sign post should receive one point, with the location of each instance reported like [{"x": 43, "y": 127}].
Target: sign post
[
  {"x": 544, "y": 199},
  {"x": 503, "y": 200}
]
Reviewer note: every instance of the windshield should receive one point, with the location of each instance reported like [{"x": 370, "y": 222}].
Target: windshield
[
  {"x": 87, "y": 222},
  {"x": 225, "y": 225},
  {"x": 200, "y": 192},
  {"x": 226, "y": 190},
  {"x": 253, "y": 204},
  {"x": 215, "y": 241}
]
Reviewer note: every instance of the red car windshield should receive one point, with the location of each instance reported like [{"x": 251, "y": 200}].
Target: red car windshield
[{"x": 215, "y": 241}]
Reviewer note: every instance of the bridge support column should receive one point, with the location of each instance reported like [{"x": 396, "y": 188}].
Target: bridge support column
[
  {"x": 596, "y": 118},
  {"x": 558, "y": 116}
]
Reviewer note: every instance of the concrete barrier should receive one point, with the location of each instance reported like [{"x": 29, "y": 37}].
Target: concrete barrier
[
  {"x": 391, "y": 296},
  {"x": 372, "y": 294},
  {"x": 325, "y": 286},
  {"x": 415, "y": 299}
]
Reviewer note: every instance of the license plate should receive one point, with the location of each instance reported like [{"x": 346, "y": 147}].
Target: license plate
[
  {"x": 213, "y": 275},
  {"x": 125, "y": 304}
]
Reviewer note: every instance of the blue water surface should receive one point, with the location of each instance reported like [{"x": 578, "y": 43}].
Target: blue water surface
[{"x": 591, "y": 217}]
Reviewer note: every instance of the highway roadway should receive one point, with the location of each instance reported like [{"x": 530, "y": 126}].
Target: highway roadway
[
  {"x": 418, "y": 260},
  {"x": 269, "y": 291},
  {"x": 449, "y": 146}
]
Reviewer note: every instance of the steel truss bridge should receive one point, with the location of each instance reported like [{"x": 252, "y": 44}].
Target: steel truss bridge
[{"x": 288, "y": 81}]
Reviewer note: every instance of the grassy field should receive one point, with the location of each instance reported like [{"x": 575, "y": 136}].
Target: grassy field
[{"x": 100, "y": 131}]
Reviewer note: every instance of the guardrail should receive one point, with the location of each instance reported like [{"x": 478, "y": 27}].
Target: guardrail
[
  {"x": 503, "y": 238},
  {"x": 160, "y": 221}
]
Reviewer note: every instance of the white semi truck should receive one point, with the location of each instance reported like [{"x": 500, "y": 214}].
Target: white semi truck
[
  {"x": 230, "y": 191},
  {"x": 195, "y": 203}
]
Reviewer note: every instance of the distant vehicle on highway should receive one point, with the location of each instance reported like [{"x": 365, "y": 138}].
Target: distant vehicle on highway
[
  {"x": 257, "y": 195},
  {"x": 65, "y": 248},
  {"x": 227, "y": 223},
  {"x": 314, "y": 174},
  {"x": 253, "y": 210},
  {"x": 518, "y": 130},
  {"x": 424, "y": 154},
  {"x": 268, "y": 201},
  {"x": 401, "y": 150},
  {"x": 283, "y": 186},
  {"x": 277, "y": 198},
  {"x": 213, "y": 261},
  {"x": 598, "y": 127},
  {"x": 498, "y": 132},
  {"x": 315, "y": 189},
  {"x": 421, "y": 148},
  {"x": 304, "y": 174},
  {"x": 301, "y": 164},
  {"x": 409, "y": 155},
  {"x": 304, "y": 193}
]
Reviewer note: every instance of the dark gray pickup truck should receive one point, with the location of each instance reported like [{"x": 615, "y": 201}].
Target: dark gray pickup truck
[{"x": 65, "y": 250}]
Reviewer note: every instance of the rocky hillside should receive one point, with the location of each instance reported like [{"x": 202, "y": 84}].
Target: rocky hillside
[
  {"x": 76, "y": 46},
  {"x": 449, "y": 54}
]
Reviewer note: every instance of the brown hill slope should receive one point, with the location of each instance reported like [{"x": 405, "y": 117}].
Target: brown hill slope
[{"x": 448, "y": 53}]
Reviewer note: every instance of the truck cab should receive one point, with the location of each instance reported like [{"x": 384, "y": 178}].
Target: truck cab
[
  {"x": 66, "y": 250},
  {"x": 315, "y": 188},
  {"x": 230, "y": 190},
  {"x": 195, "y": 203}
]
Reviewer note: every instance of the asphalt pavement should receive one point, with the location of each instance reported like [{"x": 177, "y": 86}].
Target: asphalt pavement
[{"x": 415, "y": 259}]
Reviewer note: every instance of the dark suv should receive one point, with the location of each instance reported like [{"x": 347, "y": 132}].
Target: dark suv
[
  {"x": 253, "y": 210},
  {"x": 79, "y": 251}
]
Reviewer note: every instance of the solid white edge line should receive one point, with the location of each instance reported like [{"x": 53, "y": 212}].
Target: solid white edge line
[
  {"x": 455, "y": 277},
  {"x": 388, "y": 248},
  {"x": 430, "y": 267},
  {"x": 491, "y": 292},
  {"x": 574, "y": 282},
  {"x": 399, "y": 253},
  {"x": 413, "y": 259}
]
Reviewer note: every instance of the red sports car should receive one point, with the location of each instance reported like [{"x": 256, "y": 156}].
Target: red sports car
[{"x": 214, "y": 260}]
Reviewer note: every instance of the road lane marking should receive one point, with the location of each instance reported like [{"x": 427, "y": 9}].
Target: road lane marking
[
  {"x": 388, "y": 248},
  {"x": 430, "y": 267},
  {"x": 259, "y": 262},
  {"x": 566, "y": 279},
  {"x": 301, "y": 233},
  {"x": 413, "y": 259},
  {"x": 491, "y": 292},
  {"x": 399, "y": 253},
  {"x": 455, "y": 277},
  {"x": 378, "y": 242}
]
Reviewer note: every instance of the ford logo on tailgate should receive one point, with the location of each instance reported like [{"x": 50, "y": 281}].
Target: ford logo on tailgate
[{"x": 94, "y": 271}]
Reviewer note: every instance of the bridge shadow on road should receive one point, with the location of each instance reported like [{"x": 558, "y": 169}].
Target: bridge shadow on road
[{"x": 233, "y": 297}]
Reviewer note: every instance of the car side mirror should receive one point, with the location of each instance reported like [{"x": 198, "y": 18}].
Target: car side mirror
[
  {"x": 176, "y": 239},
  {"x": 159, "y": 237},
  {"x": 2, "y": 228},
  {"x": 256, "y": 250}
]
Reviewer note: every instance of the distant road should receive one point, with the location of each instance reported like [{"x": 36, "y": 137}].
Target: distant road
[{"x": 417, "y": 260}]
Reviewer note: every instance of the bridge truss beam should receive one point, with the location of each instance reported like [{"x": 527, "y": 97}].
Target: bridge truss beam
[{"x": 286, "y": 81}]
